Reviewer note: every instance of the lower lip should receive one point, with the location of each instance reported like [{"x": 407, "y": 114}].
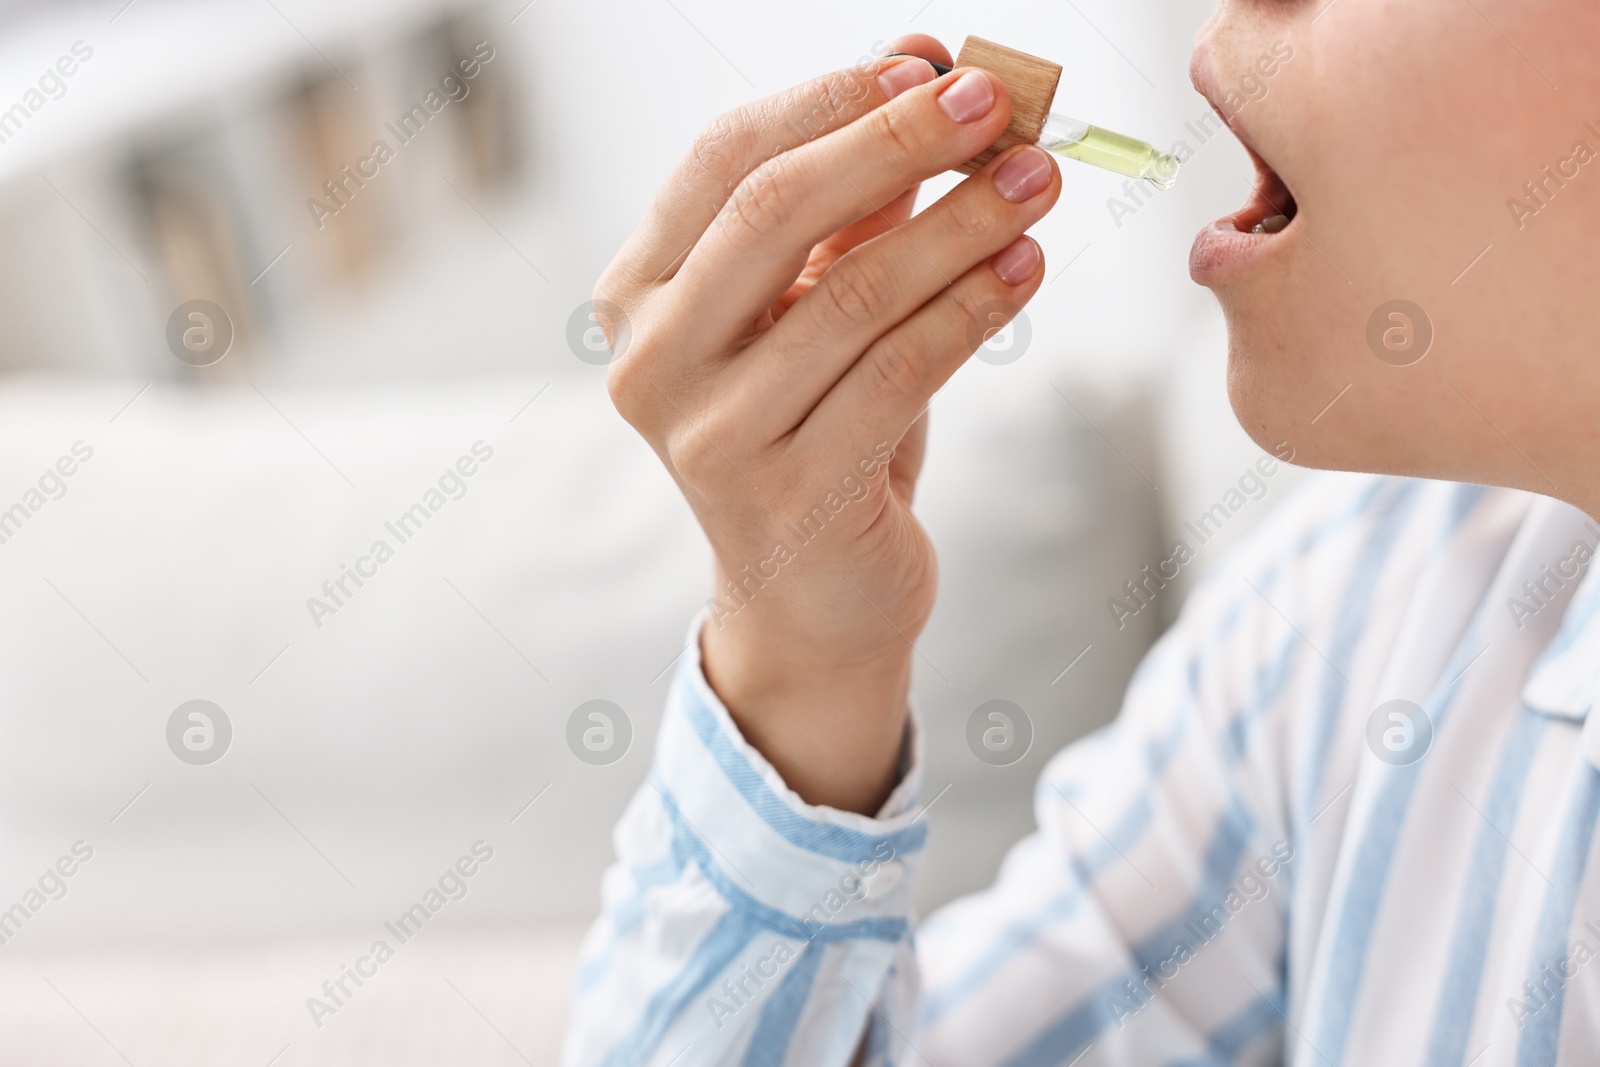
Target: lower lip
[{"x": 1221, "y": 253}]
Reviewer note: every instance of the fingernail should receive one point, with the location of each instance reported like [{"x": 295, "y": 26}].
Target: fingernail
[
  {"x": 1016, "y": 262},
  {"x": 968, "y": 98},
  {"x": 905, "y": 75},
  {"x": 1024, "y": 175}
]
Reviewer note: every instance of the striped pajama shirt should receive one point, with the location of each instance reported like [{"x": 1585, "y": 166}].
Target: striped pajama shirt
[{"x": 1345, "y": 817}]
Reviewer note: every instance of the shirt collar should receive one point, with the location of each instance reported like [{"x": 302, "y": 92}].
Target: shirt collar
[{"x": 1565, "y": 680}]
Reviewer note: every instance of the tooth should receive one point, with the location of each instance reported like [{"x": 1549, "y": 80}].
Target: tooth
[{"x": 1271, "y": 224}]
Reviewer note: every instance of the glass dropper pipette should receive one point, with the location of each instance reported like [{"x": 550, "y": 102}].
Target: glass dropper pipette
[
  {"x": 1110, "y": 151},
  {"x": 1101, "y": 147}
]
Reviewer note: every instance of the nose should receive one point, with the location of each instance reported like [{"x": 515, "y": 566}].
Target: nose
[{"x": 1200, "y": 74}]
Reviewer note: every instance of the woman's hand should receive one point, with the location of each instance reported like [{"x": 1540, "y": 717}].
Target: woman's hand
[{"x": 783, "y": 322}]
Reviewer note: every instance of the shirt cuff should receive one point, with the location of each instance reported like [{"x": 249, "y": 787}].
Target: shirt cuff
[{"x": 735, "y": 815}]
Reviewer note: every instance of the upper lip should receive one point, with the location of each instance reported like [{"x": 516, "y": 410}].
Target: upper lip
[
  {"x": 1204, "y": 78},
  {"x": 1270, "y": 186}
]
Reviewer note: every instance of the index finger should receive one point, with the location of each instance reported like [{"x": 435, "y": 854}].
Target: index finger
[{"x": 738, "y": 142}]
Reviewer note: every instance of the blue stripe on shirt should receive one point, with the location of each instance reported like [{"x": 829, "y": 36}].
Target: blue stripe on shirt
[
  {"x": 1074, "y": 1030},
  {"x": 1458, "y": 999},
  {"x": 629, "y": 914},
  {"x": 690, "y": 846},
  {"x": 835, "y": 842},
  {"x": 769, "y": 1046},
  {"x": 1347, "y": 633},
  {"x": 716, "y": 950},
  {"x": 1551, "y": 943},
  {"x": 1085, "y": 868},
  {"x": 1262, "y": 1015},
  {"x": 1369, "y": 874},
  {"x": 1270, "y": 682},
  {"x": 745, "y": 918}
]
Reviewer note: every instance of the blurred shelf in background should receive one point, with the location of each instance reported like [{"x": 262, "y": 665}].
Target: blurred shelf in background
[{"x": 279, "y": 160}]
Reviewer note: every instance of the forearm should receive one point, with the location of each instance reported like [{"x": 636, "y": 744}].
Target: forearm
[{"x": 832, "y": 727}]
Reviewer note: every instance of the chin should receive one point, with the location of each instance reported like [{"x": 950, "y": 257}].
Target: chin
[
  {"x": 1280, "y": 393},
  {"x": 1256, "y": 391}
]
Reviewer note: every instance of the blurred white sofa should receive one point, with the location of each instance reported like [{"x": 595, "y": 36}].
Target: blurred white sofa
[{"x": 426, "y": 713}]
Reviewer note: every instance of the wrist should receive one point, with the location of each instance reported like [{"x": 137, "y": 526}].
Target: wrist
[{"x": 831, "y": 725}]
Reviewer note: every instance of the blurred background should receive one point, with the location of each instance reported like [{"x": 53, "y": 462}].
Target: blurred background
[{"x": 184, "y": 180}]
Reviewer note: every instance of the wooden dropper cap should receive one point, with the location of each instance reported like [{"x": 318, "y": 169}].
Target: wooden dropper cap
[{"x": 1031, "y": 81}]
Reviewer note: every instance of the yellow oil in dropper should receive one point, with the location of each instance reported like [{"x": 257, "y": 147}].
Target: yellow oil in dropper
[
  {"x": 1111, "y": 151},
  {"x": 1099, "y": 147}
]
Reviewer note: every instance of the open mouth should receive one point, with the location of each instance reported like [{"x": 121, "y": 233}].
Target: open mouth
[
  {"x": 1271, "y": 207},
  {"x": 1235, "y": 245}
]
